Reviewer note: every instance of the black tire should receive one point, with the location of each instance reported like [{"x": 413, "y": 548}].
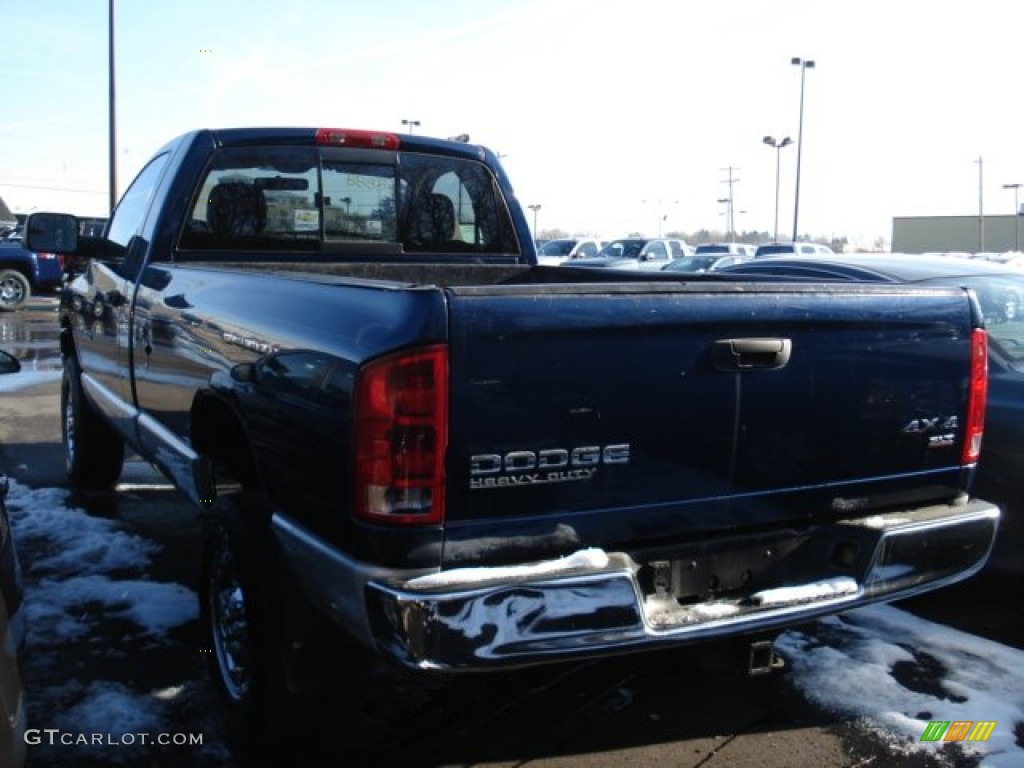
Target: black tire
[
  {"x": 15, "y": 290},
  {"x": 242, "y": 624},
  {"x": 93, "y": 451}
]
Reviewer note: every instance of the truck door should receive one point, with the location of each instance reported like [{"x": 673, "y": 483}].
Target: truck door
[{"x": 102, "y": 301}]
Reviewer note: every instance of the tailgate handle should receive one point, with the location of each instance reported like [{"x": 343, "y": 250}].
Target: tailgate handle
[{"x": 750, "y": 354}]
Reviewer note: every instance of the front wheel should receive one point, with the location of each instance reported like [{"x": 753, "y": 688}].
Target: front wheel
[
  {"x": 15, "y": 290},
  {"x": 93, "y": 451}
]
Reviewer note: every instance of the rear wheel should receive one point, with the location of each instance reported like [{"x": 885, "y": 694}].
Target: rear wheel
[
  {"x": 242, "y": 625},
  {"x": 14, "y": 290},
  {"x": 93, "y": 451}
]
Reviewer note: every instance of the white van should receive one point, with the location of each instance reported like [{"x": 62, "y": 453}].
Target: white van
[{"x": 792, "y": 249}]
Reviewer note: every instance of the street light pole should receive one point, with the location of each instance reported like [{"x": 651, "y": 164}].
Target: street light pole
[
  {"x": 411, "y": 124},
  {"x": 112, "y": 118},
  {"x": 535, "y": 207},
  {"x": 777, "y": 145},
  {"x": 804, "y": 65},
  {"x": 727, "y": 202},
  {"x": 981, "y": 204},
  {"x": 731, "y": 218},
  {"x": 1016, "y": 213}
]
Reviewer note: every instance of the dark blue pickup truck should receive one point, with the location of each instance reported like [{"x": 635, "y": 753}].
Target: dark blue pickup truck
[
  {"x": 339, "y": 345},
  {"x": 23, "y": 271}
]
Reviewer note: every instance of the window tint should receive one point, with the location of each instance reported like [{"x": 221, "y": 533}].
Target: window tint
[
  {"x": 359, "y": 202},
  {"x": 451, "y": 205},
  {"x": 305, "y": 198}
]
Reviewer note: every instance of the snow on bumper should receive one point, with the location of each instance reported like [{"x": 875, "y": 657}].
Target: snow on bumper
[{"x": 592, "y": 603}]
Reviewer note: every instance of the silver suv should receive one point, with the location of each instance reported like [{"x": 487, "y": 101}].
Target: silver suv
[{"x": 733, "y": 249}]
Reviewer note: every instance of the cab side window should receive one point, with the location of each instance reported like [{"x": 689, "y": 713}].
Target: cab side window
[
  {"x": 656, "y": 252},
  {"x": 130, "y": 215}
]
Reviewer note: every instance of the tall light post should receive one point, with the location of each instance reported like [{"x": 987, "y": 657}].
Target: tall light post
[
  {"x": 731, "y": 222},
  {"x": 1016, "y": 213},
  {"x": 535, "y": 207},
  {"x": 804, "y": 65},
  {"x": 981, "y": 204},
  {"x": 777, "y": 145},
  {"x": 411, "y": 124},
  {"x": 112, "y": 116}
]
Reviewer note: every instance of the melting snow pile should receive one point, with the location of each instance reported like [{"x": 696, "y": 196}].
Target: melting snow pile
[{"x": 897, "y": 673}]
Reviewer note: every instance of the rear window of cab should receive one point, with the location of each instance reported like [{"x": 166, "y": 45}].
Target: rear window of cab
[{"x": 320, "y": 199}]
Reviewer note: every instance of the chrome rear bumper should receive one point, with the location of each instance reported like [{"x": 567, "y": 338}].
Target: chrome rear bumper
[{"x": 593, "y": 604}]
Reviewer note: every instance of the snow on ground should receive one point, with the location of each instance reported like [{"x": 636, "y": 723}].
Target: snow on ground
[
  {"x": 886, "y": 668},
  {"x": 80, "y": 572},
  {"x": 896, "y": 672}
]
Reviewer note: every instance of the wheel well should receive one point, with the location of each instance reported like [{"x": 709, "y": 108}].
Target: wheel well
[
  {"x": 218, "y": 433},
  {"x": 19, "y": 268}
]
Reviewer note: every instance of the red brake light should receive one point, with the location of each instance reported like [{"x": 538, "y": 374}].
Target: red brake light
[
  {"x": 977, "y": 397},
  {"x": 343, "y": 137},
  {"x": 401, "y": 437}
]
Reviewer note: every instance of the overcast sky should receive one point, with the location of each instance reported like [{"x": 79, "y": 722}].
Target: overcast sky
[{"x": 611, "y": 114}]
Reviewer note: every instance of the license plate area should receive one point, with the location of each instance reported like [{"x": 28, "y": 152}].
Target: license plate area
[{"x": 743, "y": 565}]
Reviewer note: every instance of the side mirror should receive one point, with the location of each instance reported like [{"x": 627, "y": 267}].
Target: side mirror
[
  {"x": 52, "y": 232},
  {"x": 9, "y": 363}
]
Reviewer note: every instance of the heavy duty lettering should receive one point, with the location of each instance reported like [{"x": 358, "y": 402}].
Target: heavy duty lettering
[{"x": 551, "y": 465}]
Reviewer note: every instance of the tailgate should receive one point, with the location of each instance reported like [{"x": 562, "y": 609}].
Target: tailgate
[{"x": 626, "y": 416}]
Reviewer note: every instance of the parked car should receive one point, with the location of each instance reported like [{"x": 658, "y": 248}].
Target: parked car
[
  {"x": 704, "y": 262},
  {"x": 12, "y": 704},
  {"x": 553, "y": 252},
  {"x": 23, "y": 271},
  {"x": 629, "y": 253},
  {"x": 1000, "y": 292},
  {"x": 736, "y": 249},
  {"x": 792, "y": 249}
]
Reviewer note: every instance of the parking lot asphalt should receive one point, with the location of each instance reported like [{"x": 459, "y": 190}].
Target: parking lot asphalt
[{"x": 663, "y": 708}]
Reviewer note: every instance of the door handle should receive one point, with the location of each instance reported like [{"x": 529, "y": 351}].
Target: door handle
[{"x": 751, "y": 354}]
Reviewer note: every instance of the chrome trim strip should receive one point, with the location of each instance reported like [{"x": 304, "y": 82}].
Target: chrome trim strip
[
  {"x": 163, "y": 436},
  {"x": 106, "y": 400}
]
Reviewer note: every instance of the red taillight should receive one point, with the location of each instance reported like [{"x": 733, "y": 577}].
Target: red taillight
[
  {"x": 977, "y": 397},
  {"x": 343, "y": 137},
  {"x": 401, "y": 436}
]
